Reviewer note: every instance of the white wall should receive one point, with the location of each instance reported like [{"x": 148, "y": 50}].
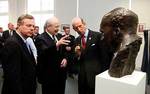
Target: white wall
[
  {"x": 16, "y": 8},
  {"x": 65, "y": 10},
  {"x": 142, "y": 8},
  {"x": 90, "y": 10},
  {"x": 93, "y": 10}
]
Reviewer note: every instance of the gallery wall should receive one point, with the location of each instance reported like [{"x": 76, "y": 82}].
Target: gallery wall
[
  {"x": 65, "y": 10},
  {"x": 93, "y": 11},
  {"x": 142, "y": 8},
  {"x": 90, "y": 10}
]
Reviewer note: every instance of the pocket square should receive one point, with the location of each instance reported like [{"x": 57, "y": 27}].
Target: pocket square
[{"x": 92, "y": 44}]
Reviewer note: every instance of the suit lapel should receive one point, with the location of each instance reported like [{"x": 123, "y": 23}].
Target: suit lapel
[
  {"x": 89, "y": 39},
  {"x": 48, "y": 39},
  {"x": 25, "y": 49}
]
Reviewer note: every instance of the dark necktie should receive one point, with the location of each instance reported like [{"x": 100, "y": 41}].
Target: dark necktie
[
  {"x": 83, "y": 41},
  {"x": 54, "y": 38},
  {"x": 10, "y": 33}
]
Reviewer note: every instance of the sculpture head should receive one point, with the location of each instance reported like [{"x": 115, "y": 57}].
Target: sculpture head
[
  {"x": 117, "y": 23},
  {"x": 120, "y": 27}
]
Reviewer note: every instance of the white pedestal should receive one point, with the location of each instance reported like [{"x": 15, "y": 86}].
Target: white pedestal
[{"x": 129, "y": 84}]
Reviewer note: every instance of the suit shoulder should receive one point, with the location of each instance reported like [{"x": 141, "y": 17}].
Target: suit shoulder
[
  {"x": 41, "y": 35},
  {"x": 59, "y": 35},
  {"x": 6, "y": 31},
  {"x": 12, "y": 40},
  {"x": 72, "y": 35},
  {"x": 95, "y": 32}
]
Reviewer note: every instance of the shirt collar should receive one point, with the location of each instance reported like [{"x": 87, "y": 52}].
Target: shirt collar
[
  {"x": 22, "y": 37},
  {"x": 52, "y": 36},
  {"x": 86, "y": 32},
  {"x": 49, "y": 34}
]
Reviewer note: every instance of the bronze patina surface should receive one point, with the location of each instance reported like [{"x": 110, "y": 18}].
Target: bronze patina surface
[{"x": 120, "y": 32}]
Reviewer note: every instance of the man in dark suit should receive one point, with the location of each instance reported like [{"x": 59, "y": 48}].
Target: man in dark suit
[
  {"x": 36, "y": 33},
  {"x": 9, "y": 32},
  {"x": 18, "y": 62},
  {"x": 72, "y": 66},
  {"x": 1, "y": 42},
  {"x": 88, "y": 54},
  {"x": 51, "y": 66}
]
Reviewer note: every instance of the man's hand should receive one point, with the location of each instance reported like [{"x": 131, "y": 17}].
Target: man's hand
[
  {"x": 63, "y": 63},
  {"x": 68, "y": 48},
  {"x": 78, "y": 51},
  {"x": 62, "y": 41}
]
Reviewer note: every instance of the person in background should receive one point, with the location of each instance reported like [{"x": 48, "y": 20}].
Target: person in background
[
  {"x": 1, "y": 42},
  {"x": 1, "y": 31},
  {"x": 1, "y": 37},
  {"x": 72, "y": 66},
  {"x": 18, "y": 62},
  {"x": 9, "y": 32},
  {"x": 36, "y": 32},
  {"x": 51, "y": 66},
  {"x": 88, "y": 54}
]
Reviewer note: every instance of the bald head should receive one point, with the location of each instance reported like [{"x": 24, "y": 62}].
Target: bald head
[
  {"x": 77, "y": 20},
  {"x": 79, "y": 25},
  {"x": 11, "y": 26},
  {"x": 52, "y": 25},
  {"x": 52, "y": 20}
]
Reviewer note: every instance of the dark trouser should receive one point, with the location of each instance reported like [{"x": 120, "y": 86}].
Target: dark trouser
[
  {"x": 86, "y": 85},
  {"x": 55, "y": 86}
]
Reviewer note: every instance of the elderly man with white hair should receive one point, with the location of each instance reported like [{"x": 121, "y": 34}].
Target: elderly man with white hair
[{"x": 51, "y": 66}]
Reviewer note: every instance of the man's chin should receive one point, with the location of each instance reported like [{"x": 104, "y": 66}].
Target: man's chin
[{"x": 29, "y": 35}]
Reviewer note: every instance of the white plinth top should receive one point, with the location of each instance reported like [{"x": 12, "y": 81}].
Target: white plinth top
[{"x": 132, "y": 79}]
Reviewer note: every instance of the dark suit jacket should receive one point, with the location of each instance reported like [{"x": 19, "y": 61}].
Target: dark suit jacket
[
  {"x": 70, "y": 54},
  {"x": 146, "y": 62},
  {"x": 90, "y": 59},
  {"x": 1, "y": 46},
  {"x": 19, "y": 67},
  {"x": 6, "y": 34},
  {"x": 49, "y": 59}
]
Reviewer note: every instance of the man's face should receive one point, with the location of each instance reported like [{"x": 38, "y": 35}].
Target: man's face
[
  {"x": 27, "y": 27},
  {"x": 67, "y": 30},
  {"x": 53, "y": 28},
  {"x": 79, "y": 27},
  {"x": 36, "y": 30},
  {"x": 1, "y": 29},
  {"x": 11, "y": 26}
]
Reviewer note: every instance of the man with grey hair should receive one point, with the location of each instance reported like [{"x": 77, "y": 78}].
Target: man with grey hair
[
  {"x": 88, "y": 53},
  {"x": 17, "y": 61},
  {"x": 51, "y": 67}
]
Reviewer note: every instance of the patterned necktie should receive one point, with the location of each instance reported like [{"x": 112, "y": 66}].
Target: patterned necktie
[{"x": 83, "y": 41}]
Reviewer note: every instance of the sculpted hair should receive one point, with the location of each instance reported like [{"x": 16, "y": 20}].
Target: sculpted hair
[{"x": 22, "y": 17}]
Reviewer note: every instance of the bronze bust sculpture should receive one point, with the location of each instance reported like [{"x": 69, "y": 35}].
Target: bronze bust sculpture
[{"x": 120, "y": 32}]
